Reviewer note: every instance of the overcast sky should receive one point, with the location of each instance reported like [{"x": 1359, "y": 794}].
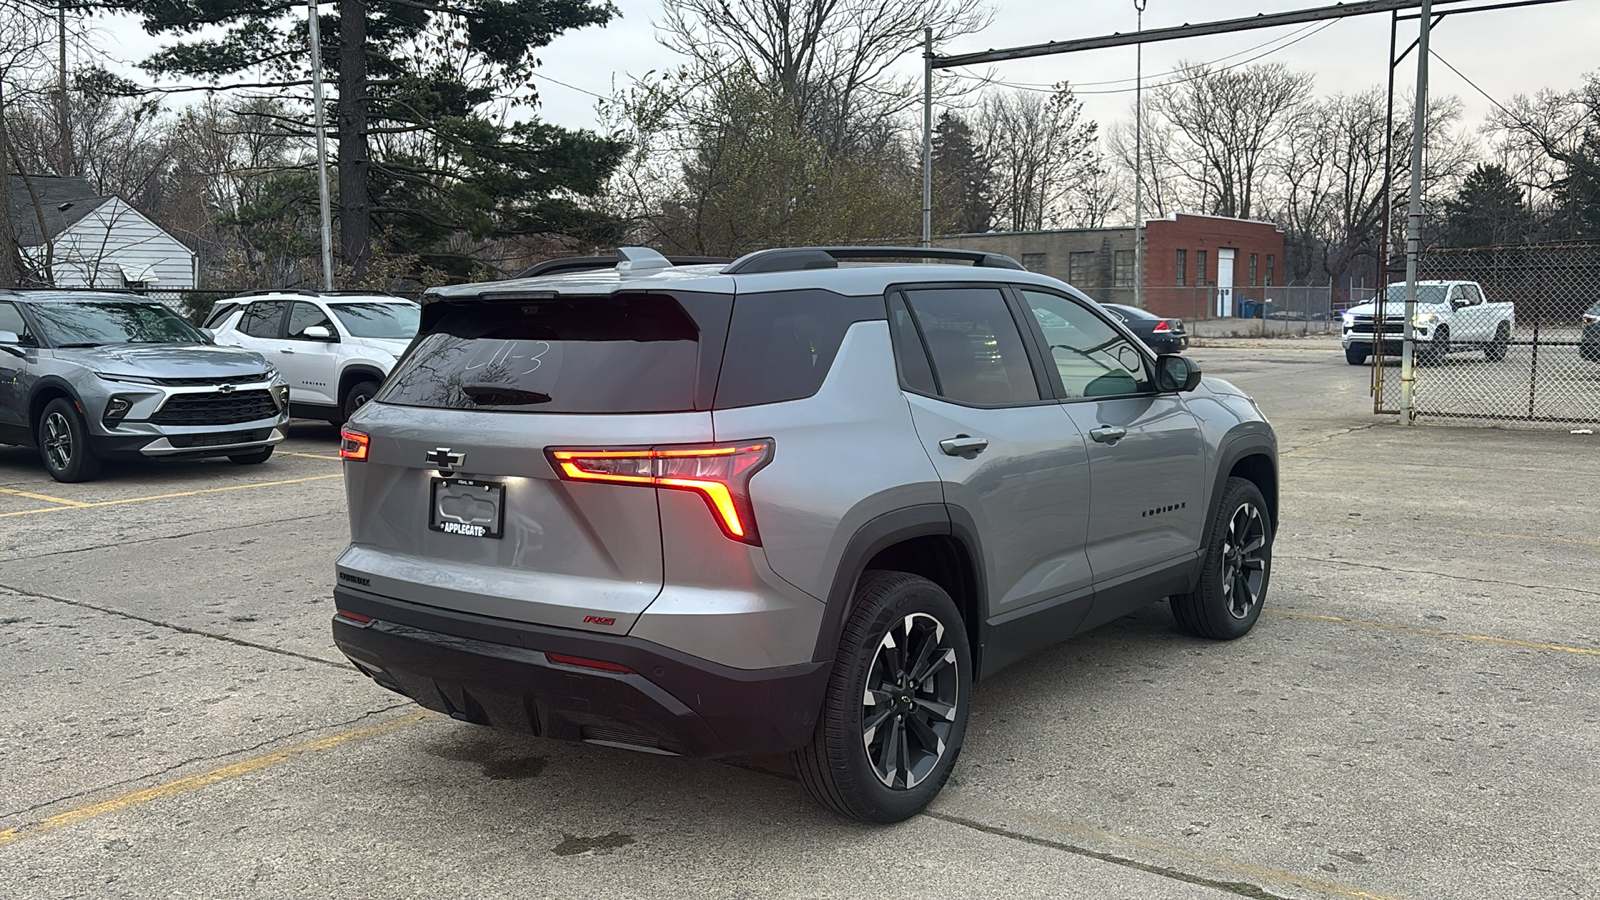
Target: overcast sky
[{"x": 1504, "y": 52}]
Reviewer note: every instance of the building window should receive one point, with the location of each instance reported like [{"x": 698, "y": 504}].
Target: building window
[
  {"x": 1200, "y": 267},
  {"x": 1269, "y": 270},
  {"x": 1122, "y": 268},
  {"x": 1183, "y": 266},
  {"x": 1079, "y": 264},
  {"x": 1033, "y": 262},
  {"x": 1252, "y": 270}
]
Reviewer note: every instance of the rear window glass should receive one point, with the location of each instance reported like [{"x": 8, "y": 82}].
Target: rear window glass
[
  {"x": 613, "y": 354},
  {"x": 781, "y": 344}
]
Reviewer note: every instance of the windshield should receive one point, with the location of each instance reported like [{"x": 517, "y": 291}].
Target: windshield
[
  {"x": 1426, "y": 293},
  {"x": 387, "y": 321},
  {"x": 92, "y": 323}
]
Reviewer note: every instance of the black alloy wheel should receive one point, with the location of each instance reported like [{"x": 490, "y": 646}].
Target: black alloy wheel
[
  {"x": 1238, "y": 568},
  {"x": 360, "y": 393},
  {"x": 910, "y": 702},
  {"x": 64, "y": 443},
  {"x": 895, "y": 711}
]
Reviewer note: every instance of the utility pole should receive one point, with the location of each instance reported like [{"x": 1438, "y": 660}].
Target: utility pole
[
  {"x": 322, "y": 144},
  {"x": 1419, "y": 124},
  {"x": 62, "y": 123},
  {"x": 927, "y": 137},
  {"x": 1138, "y": 160}
]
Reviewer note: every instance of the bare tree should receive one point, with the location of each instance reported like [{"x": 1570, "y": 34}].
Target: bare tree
[
  {"x": 25, "y": 32},
  {"x": 834, "y": 59},
  {"x": 1044, "y": 156},
  {"x": 1226, "y": 121}
]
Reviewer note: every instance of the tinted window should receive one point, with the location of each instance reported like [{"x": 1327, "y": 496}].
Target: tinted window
[
  {"x": 304, "y": 315},
  {"x": 91, "y": 324},
  {"x": 389, "y": 321},
  {"x": 622, "y": 353},
  {"x": 977, "y": 352},
  {"x": 262, "y": 319},
  {"x": 911, "y": 357},
  {"x": 11, "y": 320},
  {"x": 781, "y": 345},
  {"x": 1093, "y": 359}
]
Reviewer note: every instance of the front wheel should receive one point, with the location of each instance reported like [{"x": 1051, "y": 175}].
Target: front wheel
[
  {"x": 357, "y": 397},
  {"x": 895, "y": 711},
  {"x": 1233, "y": 582},
  {"x": 1434, "y": 351},
  {"x": 64, "y": 443},
  {"x": 1355, "y": 355}
]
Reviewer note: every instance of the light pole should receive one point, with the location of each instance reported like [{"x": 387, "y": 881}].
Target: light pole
[
  {"x": 1138, "y": 160},
  {"x": 318, "y": 117}
]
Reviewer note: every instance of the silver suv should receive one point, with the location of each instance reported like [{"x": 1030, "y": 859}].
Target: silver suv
[
  {"x": 87, "y": 375},
  {"x": 783, "y": 504}
]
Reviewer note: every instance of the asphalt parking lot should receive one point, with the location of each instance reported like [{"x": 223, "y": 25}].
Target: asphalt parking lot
[{"x": 1417, "y": 714}]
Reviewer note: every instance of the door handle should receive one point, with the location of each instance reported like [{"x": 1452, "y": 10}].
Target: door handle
[
  {"x": 284, "y": 350},
  {"x": 963, "y": 445},
  {"x": 1108, "y": 434}
]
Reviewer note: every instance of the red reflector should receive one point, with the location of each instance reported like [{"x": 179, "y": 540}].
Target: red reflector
[
  {"x": 354, "y": 617},
  {"x": 589, "y": 663},
  {"x": 718, "y": 472},
  {"x": 1162, "y": 326},
  {"x": 353, "y": 445}
]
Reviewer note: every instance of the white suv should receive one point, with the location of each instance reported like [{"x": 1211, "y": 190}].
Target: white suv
[{"x": 333, "y": 349}]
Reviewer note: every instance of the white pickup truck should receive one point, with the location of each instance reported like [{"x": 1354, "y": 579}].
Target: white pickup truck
[{"x": 1450, "y": 316}]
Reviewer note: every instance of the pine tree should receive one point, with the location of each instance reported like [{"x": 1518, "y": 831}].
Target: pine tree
[
  {"x": 426, "y": 148},
  {"x": 962, "y": 178},
  {"x": 1488, "y": 210}
]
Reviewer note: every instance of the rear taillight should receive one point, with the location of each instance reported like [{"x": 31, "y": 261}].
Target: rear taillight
[
  {"x": 1590, "y": 319},
  {"x": 1162, "y": 326},
  {"x": 353, "y": 445},
  {"x": 718, "y": 472},
  {"x": 584, "y": 663}
]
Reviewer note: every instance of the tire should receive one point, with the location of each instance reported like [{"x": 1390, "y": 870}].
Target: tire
[
  {"x": 1434, "y": 351},
  {"x": 1355, "y": 356},
  {"x": 1238, "y": 565},
  {"x": 253, "y": 458},
  {"x": 851, "y": 765},
  {"x": 64, "y": 442},
  {"x": 356, "y": 397},
  {"x": 1495, "y": 350}
]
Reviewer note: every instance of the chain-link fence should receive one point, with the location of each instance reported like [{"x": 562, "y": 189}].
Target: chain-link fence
[
  {"x": 1527, "y": 351},
  {"x": 1276, "y": 310}
]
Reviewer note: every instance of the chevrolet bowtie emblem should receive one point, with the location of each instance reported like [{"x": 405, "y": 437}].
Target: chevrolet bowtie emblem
[
  {"x": 444, "y": 459},
  {"x": 225, "y": 389}
]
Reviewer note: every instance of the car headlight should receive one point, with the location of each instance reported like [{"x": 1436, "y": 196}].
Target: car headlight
[
  {"x": 126, "y": 379},
  {"x": 1423, "y": 320},
  {"x": 271, "y": 374},
  {"x": 1349, "y": 320}
]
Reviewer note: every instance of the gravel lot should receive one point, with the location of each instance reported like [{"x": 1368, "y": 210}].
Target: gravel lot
[{"x": 1417, "y": 714}]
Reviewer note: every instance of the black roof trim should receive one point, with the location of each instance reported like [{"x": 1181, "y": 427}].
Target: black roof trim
[
  {"x": 794, "y": 259},
  {"x": 580, "y": 263}
]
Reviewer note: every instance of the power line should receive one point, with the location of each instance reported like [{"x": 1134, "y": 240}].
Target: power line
[{"x": 571, "y": 87}]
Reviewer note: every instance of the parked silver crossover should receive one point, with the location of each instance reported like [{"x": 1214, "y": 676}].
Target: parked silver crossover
[{"x": 799, "y": 502}]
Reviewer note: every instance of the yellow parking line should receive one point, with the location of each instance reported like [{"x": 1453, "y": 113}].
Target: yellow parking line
[
  {"x": 309, "y": 455},
  {"x": 45, "y": 497},
  {"x": 1432, "y": 632},
  {"x": 195, "y": 782},
  {"x": 232, "y": 487}
]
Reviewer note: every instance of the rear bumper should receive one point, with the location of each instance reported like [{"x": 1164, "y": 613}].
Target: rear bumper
[
  {"x": 499, "y": 673},
  {"x": 1168, "y": 343}
]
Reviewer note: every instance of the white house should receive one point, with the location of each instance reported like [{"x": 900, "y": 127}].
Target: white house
[{"x": 93, "y": 241}]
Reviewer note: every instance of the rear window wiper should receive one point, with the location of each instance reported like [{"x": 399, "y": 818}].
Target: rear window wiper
[{"x": 500, "y": 395}]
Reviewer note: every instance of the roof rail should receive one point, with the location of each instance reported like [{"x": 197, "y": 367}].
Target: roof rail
[
  {"x": 262, "y": 292},
  {"x": 792, "y": 259},
  {"x": 579, "y": 263}
]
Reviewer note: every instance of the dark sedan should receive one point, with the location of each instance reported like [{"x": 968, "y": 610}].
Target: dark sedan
[
  {"x": 1163, "y": 335},
  {"x": 1590, "y": 345}
]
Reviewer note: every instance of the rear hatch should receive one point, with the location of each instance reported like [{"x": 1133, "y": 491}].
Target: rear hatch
[{"x": 457, "y": 503}]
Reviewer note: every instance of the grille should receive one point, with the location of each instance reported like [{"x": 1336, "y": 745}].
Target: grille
[
  {"x": 208, "y": 382},
  {"x": 1363, "y": 325},
  {"x": 216, "y": 440},
  {"x": 216, "y": 409}
]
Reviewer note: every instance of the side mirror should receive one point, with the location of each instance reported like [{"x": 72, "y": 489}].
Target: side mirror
[
  {"x": 317, "y": 333},
  {"x": 210, "y": 335},
  {"x": 1175, "y": 372},
  {"x": 9, "y": 342}
]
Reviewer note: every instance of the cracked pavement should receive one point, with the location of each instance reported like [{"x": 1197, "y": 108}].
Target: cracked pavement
[{"x": 164, "y": 653}]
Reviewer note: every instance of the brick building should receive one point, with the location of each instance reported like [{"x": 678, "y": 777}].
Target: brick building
[{"x": 1195, "y": 266}]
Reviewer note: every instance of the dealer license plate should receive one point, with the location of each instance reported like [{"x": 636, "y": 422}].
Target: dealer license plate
[{"x": 467, "y": 507}]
